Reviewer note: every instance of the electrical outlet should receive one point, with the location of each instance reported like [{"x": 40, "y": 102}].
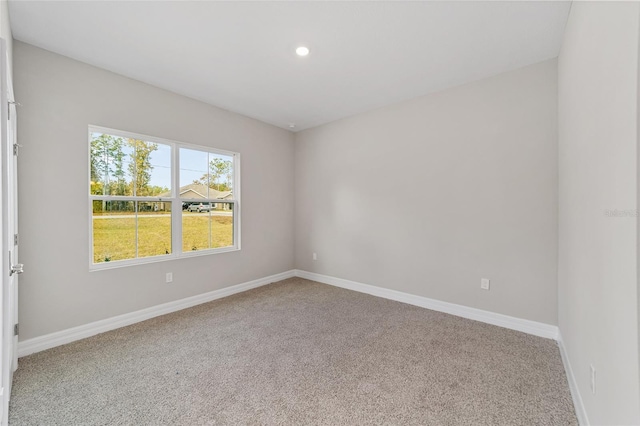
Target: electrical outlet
[
  {"x": 169, "y": 277},
  {"x": 485, "y": 283},
  {"x": 593, "y": 379},
  {"x": 315, "y": 256}
]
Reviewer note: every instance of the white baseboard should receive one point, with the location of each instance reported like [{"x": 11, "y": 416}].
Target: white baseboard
[
  {"x": 58, "y": 338},
  {"x": 526, "y": 326},
  {"x": 581, "y": 413}
]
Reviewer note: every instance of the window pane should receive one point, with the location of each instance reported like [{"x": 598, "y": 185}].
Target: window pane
[
  {"x": 126, "y": 166},
  {"x": 194, "y": 178},
  {"x": 110, "y": 164},
  {"x": 221, "y": 225},
  {"x": 154, "y": 228},
  {"x": 207, "y": 225},
  {"x": 114, "y": 231},
  {"x": 195, "y": 230},
  {"x": 220, "y": 176},
  {"x": 160, "y": 171},
  {"x": 120, "y": 173},
  {"x": 150, "y": 168},
  {"x": 205, "y": 175}
]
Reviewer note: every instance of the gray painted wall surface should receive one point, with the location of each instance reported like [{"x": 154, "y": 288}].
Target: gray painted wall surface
[
  {"x": 598, "y": 146},
  {"x": 430, "y": 195}
]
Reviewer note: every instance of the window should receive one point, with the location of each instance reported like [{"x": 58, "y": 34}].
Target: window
[{"x": 153, "y": 199}]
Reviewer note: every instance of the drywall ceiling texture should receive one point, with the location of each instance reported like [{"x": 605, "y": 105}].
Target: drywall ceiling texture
[
  {"x": 60, "y": 98},
  {"x": 598, "y": 116},
  {"x": 240, "y": 55},
  {"x": 428, "y": 196}
]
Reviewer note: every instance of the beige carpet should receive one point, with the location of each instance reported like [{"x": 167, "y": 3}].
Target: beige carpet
[{"x": 297, "y": 352}]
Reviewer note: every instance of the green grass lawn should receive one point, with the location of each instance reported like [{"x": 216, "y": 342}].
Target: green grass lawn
[{"x": 115, "y": 238}]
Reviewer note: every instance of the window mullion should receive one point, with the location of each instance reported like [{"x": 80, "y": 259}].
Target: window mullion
[
  {"x": 236, "y": 204},
  {"x": 176, "y": 205},
  {"x": 135, "y": 207}
]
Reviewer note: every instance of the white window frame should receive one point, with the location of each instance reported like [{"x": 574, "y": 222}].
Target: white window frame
[{"x": 175, "y": 200}]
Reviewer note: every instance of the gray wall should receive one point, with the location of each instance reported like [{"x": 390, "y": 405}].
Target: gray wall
[
  {"x": 430, "y": 195},
  {"x": 5, "y": 32},
  {"x": 598, "y": 146},
  {"x": 60, "y": 98}
]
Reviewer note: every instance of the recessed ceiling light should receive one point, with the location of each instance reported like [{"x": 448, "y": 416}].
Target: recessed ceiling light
[
  {"x": 302, "y": 51},
  {"x": 292, "y": 125}
]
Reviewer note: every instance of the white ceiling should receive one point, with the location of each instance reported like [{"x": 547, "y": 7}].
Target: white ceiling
[{"x": 240, "y": 55}]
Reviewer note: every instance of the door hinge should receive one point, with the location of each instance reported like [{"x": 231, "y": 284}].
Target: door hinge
[
  {"x": 15, "y": 239},
  {"x": 16, "y": 329},
  {"x": 15, "y": 149}
]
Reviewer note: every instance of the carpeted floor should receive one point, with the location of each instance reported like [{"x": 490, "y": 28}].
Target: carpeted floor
[{"x": 297, "y": 352}]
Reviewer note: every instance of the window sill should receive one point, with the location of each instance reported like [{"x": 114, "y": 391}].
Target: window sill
[{"x": 156, "y": 259}]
